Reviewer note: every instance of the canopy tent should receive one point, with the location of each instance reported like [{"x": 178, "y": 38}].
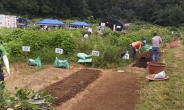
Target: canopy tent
[
  {"x": 50, "y": 22},
  {"x": 78, "y": 23}
]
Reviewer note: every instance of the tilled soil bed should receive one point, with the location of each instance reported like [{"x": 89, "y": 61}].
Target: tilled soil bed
[{"x": 67, "y": 88}]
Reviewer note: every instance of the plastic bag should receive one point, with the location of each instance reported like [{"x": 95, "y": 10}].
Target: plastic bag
[
  {"x": 36, "y": 62},
  {"x": 148, "y": 47},
  {"x": 160, "y": 75},
  {"x": 84, "y": 58},
  {"x": 61, "y": 63}
]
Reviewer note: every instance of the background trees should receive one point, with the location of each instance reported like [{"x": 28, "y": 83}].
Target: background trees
[{"x": 162, "y": 12}]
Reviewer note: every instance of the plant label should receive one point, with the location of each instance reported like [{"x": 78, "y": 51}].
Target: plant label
[
  {"x": 95, "y": 53},
  {"x": 26, "y": 48},
  {"x": 58, "y": 50}
]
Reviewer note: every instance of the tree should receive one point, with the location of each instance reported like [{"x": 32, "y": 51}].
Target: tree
[
  {"x": 78, "y": 8},
  {"x": 176, "y": 15},
  {"x": 116, "y": 12}
]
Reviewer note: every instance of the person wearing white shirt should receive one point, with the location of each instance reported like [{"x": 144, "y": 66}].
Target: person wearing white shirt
[{"x": 89, "y": 31}]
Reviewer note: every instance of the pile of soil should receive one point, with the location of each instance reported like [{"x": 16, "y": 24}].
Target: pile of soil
[
  {"x": 70, "y": 86},
  {"x": 142, "y": 63}
]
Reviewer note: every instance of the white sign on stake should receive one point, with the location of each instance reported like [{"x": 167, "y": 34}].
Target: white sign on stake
[
  {"x": 58, "y": 50},
  {"x": 172, "y": 32},
  {"x": 26, "y": 48},
  {"x": 95, "y": 53}
]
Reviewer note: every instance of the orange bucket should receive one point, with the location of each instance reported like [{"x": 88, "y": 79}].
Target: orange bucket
[{"x": 155, "y": 67}]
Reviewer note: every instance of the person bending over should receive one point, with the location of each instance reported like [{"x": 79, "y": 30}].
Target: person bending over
[{"x": 136, "y": 46}]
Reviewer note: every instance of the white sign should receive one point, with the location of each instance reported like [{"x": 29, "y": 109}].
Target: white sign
[
  {"x": 95, "y": 53},
  {"x": 58, "y": 50},
  {"x": 26, "y": 48},
  {"x": 172, "y": 32},
  {"x": 2, "y": 20},
  {"x": 8, "y": 21},
  {"x": 118, "y": 26},
  {"x": 102, "y": 24}
]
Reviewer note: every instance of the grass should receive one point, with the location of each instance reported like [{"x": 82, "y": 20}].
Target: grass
[{"x": 168, "y": 94}]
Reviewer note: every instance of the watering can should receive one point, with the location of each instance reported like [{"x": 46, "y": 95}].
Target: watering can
[
  {"x": 61, "y": 63},
  {"x": 36, "y": 62}
]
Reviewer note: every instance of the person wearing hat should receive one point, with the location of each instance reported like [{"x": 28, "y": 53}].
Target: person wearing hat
[
  {"x": 136, "y": 46},
  {"x": 156, "y": 40}
]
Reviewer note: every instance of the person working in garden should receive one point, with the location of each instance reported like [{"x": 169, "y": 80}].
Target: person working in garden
[
  {"x": 156, "y": 40},
  {"x": 3, "y": 55},
  {"x": 136, "y": 46},
  {"x": 89, "y": 31}
]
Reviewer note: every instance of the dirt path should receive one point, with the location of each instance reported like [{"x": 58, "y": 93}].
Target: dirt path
[{"x": 111, "y": 91}]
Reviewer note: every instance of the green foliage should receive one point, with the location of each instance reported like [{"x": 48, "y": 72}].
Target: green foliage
[
  {"x": 111, "y": 40},
  {"x": 125, "y": 41},
  {"x": 64, "y": 40},
  {"x": 83, "y": 32},
  {"x": 14, "y": 48},
  {"x": 35, "y": 39},
  {"x": 25, "y": 99},
  {"x": 77, "y": 34},
  {"x": 109, "y": 56},
  {"x": 110, "y": 44},
  {"x": 35, "y": 27},
  {"x": 116, "y": 33},
  {"x": 165, "y": 13},
  {"x": 16, "y": 34},
  {"x": 106, "y": 33},
  {"x": 116, "y": 12}
]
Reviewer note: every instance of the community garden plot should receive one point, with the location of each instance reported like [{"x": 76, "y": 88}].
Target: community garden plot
[{"x": 80, "y": 87}]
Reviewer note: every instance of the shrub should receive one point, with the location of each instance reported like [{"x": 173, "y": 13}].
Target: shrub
[{"x": 16, "y": 34}]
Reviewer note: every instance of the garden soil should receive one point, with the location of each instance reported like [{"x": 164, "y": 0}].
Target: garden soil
[
  {"x": 142, "y": 62},
  {"x": 82, "y": 88}
]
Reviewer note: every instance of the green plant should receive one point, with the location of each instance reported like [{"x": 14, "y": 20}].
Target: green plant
[
  {"x": 16, "y": 34},
  {"x": 25, "y": 99}
]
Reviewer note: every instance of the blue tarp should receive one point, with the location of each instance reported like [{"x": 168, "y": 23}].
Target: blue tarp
[
  {"x": 78, "y": 23},
  {"x": 50, "y": 22}
]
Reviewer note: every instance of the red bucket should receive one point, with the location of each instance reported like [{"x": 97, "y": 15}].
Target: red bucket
[{"x": 155, "y": 67}]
